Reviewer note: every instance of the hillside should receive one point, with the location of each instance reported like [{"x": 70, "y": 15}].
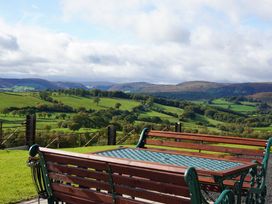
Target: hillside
[
  {"x": 18, "y": 100},
  {"x": 218, "y": 91},
  {"x": 144, "y": 87},
  {"x": 262, "y": 96},
  {"x": 132, "y": 87},
  {"x": 36, "y": 84},
  {"x": 194, "y": 90},
  {"x": 158, "y": 112},
  {"x": 88, "y": 102},
  {"x": 191, "y": 90}
]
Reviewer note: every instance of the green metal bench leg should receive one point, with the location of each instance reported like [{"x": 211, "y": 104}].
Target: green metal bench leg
[{"x": 50, "y": 200}]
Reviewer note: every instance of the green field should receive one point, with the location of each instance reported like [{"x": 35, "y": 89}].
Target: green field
[
  {"x": 263, "y": 128},
  {"x": 18, "y": 100},
  {"x": 171, "y": 109},
  {"x": 32, "y": 99},
  {"x": 160, "y": 115},
  {"x": 244, "y": 107},
  {"x": 157, "y": 110},
  {"x": 86, "y": 102}
]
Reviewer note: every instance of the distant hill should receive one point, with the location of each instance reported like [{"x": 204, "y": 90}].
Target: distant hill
[
  {"x": 217, "y": 90},
  {"x": 133, "y": 87},
  {"x": 144, "y": 87},
  {"x": 191, "y": 90},
  {"x": 194, "y": 89},
  {"x": 262, "y": 96},
  {"x": 102, "y": 85},
  {"x": 37, "y": 84}
]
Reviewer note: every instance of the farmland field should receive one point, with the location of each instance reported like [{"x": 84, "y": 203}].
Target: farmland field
[
  {"x": 244, "y": 107},
  {"x": 52, "y": 122},
  {"x": 88, "y": 102},
  {"x": 171, "y": 109},
  {"x": 160, "y": 115},
  {"x": 18, "y": 100}
]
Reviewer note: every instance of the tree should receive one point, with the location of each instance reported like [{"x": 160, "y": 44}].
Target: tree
[
  {"x": 96, "y": 100},
  {"x": 82, "y": 119},
  {"x": 62, "y": 115},
  {"x": 118, "y": 105},
  {"x": 81, "y": 109},
  {"x": 74, "y": 126},
  {"x": 149, "y": 102}
]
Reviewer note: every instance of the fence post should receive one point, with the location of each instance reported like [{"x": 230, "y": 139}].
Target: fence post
[
  {"x": 178, "y": 127},
  {"x": 30, "y": 130},
  {"x": 58, "y": 142},
  {"x": 111, "y": 135}
]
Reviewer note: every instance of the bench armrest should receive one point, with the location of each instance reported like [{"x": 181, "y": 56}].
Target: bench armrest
[
  {"x": 266, "y": 155},
  {"x": 141, "y": 142},
  {"x": 39, "y": 172},
  {"x": 226, "y": 197}
]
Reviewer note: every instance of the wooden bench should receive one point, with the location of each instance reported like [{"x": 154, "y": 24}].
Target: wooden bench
[
  {"x": 81, "y": 178},
  {"x": 227, "y": 147}
]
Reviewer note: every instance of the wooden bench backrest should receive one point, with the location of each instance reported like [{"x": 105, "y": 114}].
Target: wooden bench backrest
[
  {"x": 81, "y": 180},
  {"x": 202, "y": 142}
]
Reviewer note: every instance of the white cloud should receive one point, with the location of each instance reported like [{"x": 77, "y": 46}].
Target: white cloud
[{"x": 177, "y": 41}]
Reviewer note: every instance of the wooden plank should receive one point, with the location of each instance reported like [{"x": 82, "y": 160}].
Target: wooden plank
[
  {"x": 73, "y": 199},
  {"x": 229, "y": 183},
  {"x": 119, "y": 179},
  {"x": 205, "y": 147},
  {"x": 261, "y": 142},
  {"x": 122, "y": 180},
  {"x": 77, "y": 171},
  {"x": 160, "y": 176},
  {"x": 98, "y": 197},
  {"x": 209, "y": 138},
  {"x": 66, "y": 159},
  {"x": 82, "y": 182},
  {"x": 151, "y": 195},
  {"x": 238, "y": 169},
  {"x": 137, "y": 182}
]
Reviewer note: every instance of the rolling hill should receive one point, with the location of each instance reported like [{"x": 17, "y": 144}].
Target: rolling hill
[
  {"x": 37, "y": 84},
  {"x": 191, "y": 90},
  {"x": 262, "y": 96}
]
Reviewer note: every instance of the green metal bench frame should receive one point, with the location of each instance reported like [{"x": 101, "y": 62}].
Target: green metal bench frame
[
  {"x": 42, "y": 181},
  {"x": 258, "y": 190}
]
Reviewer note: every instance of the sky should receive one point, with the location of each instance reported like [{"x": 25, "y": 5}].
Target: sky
[{"x": 156, "y": 41}]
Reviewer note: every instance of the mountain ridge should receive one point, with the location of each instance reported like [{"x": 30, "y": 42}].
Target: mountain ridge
[{"x": 186, "y": 90}]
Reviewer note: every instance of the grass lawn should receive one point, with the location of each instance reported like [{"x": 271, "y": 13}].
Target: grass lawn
[{"x": 15, "y": 178}]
